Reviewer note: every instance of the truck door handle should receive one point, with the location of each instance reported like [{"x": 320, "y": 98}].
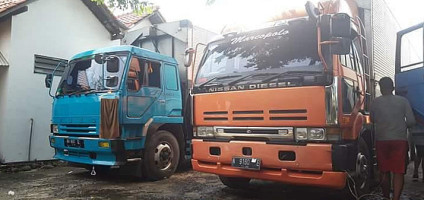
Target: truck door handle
[{"x": 161, "y": 100}]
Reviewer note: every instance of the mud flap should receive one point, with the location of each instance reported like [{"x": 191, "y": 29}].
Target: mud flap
[{"x": 132, "y": 169}]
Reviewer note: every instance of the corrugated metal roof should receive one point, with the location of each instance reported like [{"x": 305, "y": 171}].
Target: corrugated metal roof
[
  {"x": 3, "y": 61},
  {"x": 8, "y": 4}
]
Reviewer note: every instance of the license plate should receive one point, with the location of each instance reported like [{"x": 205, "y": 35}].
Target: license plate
[
  {"x": 74, "y": 143},
  {"x": 246, "y": 163}
]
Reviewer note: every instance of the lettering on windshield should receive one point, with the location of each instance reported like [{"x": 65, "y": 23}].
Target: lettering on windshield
[
  {"x": 274, "y": 48},
  {"x": 261, "y": 36},
  {"x": 252, "y": 86}
]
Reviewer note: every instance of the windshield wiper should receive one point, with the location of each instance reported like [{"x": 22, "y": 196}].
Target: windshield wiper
[
  {"x": 240, "y": 79},
  {"x": 216, "y": 78},
  {"x": 296, "y": 75},
  {"x": 81, "y": 91}
]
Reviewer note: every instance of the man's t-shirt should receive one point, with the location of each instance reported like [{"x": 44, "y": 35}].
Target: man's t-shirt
[{"x": 391, "y": 115}]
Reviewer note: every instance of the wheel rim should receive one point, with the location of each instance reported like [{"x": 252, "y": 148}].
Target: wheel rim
[
  {"x": 163, "y": 156},
  {"x": 362, "y": 170}
]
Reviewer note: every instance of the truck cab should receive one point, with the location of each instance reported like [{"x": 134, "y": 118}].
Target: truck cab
[
  {"x": 287, "y": 103},
  {"x": 120, "y": 106}
]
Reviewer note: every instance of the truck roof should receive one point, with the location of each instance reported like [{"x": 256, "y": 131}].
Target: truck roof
[{"x": 133, "y": 49}]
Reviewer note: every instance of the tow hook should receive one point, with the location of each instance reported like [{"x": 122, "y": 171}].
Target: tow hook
[{"x": 93, "y": 172}]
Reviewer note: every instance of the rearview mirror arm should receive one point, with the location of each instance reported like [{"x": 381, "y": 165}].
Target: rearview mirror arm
[
  {"x": 51, "y": 84},
  {"x": 194, "y": 62}
]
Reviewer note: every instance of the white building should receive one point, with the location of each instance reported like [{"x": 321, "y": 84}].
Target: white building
[{"x": 34, "y": 36}]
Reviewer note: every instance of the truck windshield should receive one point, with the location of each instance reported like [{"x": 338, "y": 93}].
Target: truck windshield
[
  {"x": 288, "y": 47},
  {"x": 87, "y": 75}
]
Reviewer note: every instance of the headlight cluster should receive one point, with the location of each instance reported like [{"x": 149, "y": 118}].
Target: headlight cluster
[
  {"x": 54, "y": 128},
  {"x": 203, "y": 131},
  {"x": 312, "y": 134}
]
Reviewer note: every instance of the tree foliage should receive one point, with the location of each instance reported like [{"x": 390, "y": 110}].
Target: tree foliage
[{"x": 138, "y": 6}]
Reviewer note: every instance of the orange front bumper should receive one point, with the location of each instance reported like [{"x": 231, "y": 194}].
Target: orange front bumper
[{"x": 311, "y": 167}]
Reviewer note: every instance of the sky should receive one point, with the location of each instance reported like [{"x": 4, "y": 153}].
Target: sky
[{"x": 224, "y": 13}]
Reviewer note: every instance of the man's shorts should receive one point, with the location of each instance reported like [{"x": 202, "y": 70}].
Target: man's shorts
[{"x": 391, "y": 156}]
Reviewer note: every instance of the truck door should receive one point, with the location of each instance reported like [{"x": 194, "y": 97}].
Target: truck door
[{"x": 143, "y": 89}]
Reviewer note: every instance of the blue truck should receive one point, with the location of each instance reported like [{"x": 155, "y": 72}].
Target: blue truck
[
  {"x": 128, "y": 107},
  {"x": 121, "y": 107},
  {"x": 409, "y": 71}
]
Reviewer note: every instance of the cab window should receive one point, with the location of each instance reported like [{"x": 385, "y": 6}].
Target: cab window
[
  {"x": 152, "y": 71},
  {"x": 135, "y": 75},
  {"x": 143, "y": 73}
]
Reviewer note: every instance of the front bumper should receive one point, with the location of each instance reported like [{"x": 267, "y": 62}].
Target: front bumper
[
  {"x": 91, "y": 153},
  {"x": 312, "y": 164}
]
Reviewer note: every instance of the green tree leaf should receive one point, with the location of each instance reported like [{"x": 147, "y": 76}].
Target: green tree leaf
[{"x": 137, "y": 6}]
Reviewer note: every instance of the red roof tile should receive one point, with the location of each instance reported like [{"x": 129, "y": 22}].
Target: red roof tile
[
  {"x": 131, "y": 18},
  {"x": 8, "y": 4}
]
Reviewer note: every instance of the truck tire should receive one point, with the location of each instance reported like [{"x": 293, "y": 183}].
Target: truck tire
[
  {"x": 161, "y": 155},
  {"x": 235, "y": 182},
  {"x": 362, "y": 180}
]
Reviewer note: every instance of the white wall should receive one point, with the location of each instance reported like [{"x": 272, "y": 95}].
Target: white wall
[{"x": 56, "y": 28}]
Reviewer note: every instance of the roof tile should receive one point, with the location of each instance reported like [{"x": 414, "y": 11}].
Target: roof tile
[
  {"x": 8, "y": 4},
  {"x": 131, "y": 18}
]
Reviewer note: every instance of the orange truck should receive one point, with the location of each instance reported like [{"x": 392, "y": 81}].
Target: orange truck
[{"x": 287, "y": 102}]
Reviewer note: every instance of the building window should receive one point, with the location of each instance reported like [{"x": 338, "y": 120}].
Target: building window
[{"x": 46, "y": 65}]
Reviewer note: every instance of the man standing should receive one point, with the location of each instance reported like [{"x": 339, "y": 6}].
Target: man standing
[{"x": 391, "y": 116}]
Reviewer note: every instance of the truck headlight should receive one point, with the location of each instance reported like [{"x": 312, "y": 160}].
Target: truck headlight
[
  {"x": 54, "y": 128},
  {"x": 316, "y": 134},
  {"x": 301, "y": 134},
  {"x": 311, "y": 134},
  {"x": 205, "y": 131}
]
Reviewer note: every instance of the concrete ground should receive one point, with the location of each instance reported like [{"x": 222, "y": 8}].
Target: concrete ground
[{"x": 66, "y": 182}]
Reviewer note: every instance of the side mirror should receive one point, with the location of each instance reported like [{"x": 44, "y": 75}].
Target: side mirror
[
  {"x": 341, "y": 46},
  {"x": 98, "y": 58},
  {"x": 113, "y": 65},
  {"x": 188, "y": 56},
  {"x": 48, "y": 80},
  {"x": 341, "y": 25}
]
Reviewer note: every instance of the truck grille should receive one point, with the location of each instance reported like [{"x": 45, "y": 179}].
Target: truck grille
[
  {"x": 78, "y": 129},
  {"x": 256, "y": 115},
  {"x": 266, "y": 132}
]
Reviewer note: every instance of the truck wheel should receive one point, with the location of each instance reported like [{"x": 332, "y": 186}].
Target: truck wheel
[
  {"x": 362, "y": 180},
  {"x": 235, "y": 182},
  {"x": 161, "y": 156}
]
